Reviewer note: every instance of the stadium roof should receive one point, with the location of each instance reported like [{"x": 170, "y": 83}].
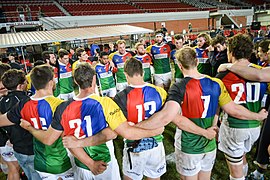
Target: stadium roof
[{"x": 41, "y": 37}]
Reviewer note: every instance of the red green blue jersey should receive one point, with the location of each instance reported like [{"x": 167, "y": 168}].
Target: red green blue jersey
[
  {"x": 204, "y": 65},
  {"x": 161, "y": 57},
  {"x": 146, "y": 62},
  {"x": 199, "y": 100},
  {"x": 139, "y": 103},
  {"x": 105, "y": 76},
  {"x": 246, "y": 93},
  {"x": 178, "y": 73},
  {"x": 39, "y": 113},
  {"x": 119, "y": 61},
  {"x": 65, "y": 80},
  {"x": 86, "y": 117}
]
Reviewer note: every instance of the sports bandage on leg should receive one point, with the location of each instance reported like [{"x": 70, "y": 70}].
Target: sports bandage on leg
[
  {"x": 245, "y": 169},
  {"x": 241, "y": 178},
  {"x": 234, "y": 160}
]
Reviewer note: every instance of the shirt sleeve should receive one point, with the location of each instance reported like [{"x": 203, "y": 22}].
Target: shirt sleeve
[
  {"x": 14, "y": 115},
  {"x": 120, "y": 100},
  {"x": 114, "y": 115},
  {"x": 56, "y": 122},
  {"x": 148, "y": 49},
  {"x": 163, "y": 94},
  {"x": 224, "y": 97},
  {"x": 176, "y": 92}
]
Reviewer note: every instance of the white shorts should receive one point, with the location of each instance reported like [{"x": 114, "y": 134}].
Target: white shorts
[
  {"x": 150, "y": 163},
  {"x": 81, "y": 173},
  {"x": 121, "y": 86},
  {"x": 237, "y": 141},
  {"x": 7, "y": 153},
  {"x": 68, "y": 175},
  {"x": 164, "y": 79},
  {"x": 67, "y": 96},
  {"x": 112, "y": 172},
  {"x": 192, "y": 164},
  {"x": 109, "y": 92}
]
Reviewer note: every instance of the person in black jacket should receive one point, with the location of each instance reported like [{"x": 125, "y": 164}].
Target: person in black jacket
[
  {"x": 15, "y": 81},
  {"x": 217, "y": 53}
]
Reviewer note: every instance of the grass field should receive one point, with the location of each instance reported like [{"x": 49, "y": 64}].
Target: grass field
[{"x": 220, "y": 171}]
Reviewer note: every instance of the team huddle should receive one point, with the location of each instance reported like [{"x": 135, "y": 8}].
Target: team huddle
[{"x": 65, "y": 130}]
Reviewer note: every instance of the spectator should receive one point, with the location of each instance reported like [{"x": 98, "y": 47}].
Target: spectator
[
  {"x": 163, "y": 29},
  {"x": 220, "y": 31},
  {"x": 248, "y": 32},
  {"x": 40, "y": 12},
  {"x": 231, "y": 33},
  {"x": 189, "y": 27},
  {"x": 268, "y": 32},
  {"x": 20, "y": 10},
  {"x": 28, "y": 12},
  {"x": 217, "y": 53}
]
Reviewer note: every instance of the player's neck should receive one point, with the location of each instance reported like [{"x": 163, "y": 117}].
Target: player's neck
[
  {"x": 43, "y": 93},
  {"x": 193, "y": 73},
  {"x": 239, "y": 60},
  {"x": 85, "y": 92},
  {"x": 136, "y": 81}
]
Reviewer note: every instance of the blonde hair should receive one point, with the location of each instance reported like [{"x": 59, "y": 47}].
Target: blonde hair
[
  {"x": 186, "y": 56},
  {"x": 121, "y": 42},
  {"x": 138, "y": 44}
]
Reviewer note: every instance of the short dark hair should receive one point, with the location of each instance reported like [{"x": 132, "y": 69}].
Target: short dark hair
[
  {"x": 133, "y": 67},
  {"x": 240, "y": 46},
  {"x": 159, "y": 32},
  {"x": 83, "y": 75},
  {"x": 218, "y": 39},
  {"x": 264, "y": 44},
  {"x": 12, "y": 78},
  {"x": 103, "y": 53},
  {"x": 186, "y": 56},
  {"x": 3, "y": 68},
  {"x": 178, "y": 37},
  {"x": 79, "y": 52},
  {"x": 46, "y": 55},
  {"x": 62, "y": 53},
  {"x": 12, "y": 54},
  {"x": 41, "y": 75},
  {"x": 38, "y": 63}
]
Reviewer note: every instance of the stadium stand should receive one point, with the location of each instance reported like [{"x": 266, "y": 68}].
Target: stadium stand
[
  {"x": 164, "y": 6},
  {"x": 47, "y": 7},
  {"x": 100, "y": 8}
]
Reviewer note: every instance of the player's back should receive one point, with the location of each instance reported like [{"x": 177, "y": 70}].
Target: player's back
[
  {"x": 39, "y": 112},
  {"x": 199, "y": 100},
  {"x": 246, "y": 93},
  {"x": 83, "y": 118},
  {"x": 138, "y": 103}
]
